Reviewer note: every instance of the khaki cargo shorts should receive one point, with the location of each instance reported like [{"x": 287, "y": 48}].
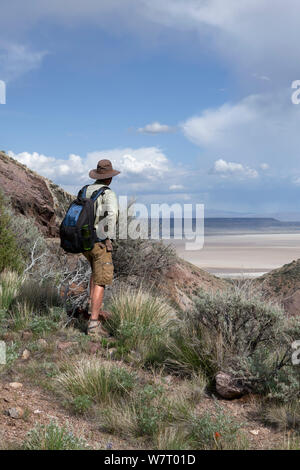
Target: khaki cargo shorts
[{"x": 101, "y": 263}]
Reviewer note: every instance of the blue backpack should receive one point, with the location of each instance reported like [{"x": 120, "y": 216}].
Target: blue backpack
[{"x": 77, "y": 232}]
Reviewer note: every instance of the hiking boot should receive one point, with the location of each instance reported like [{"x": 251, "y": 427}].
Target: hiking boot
[{"x": 96, "y": 330}]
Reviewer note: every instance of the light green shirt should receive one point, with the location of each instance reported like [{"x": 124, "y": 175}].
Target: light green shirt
[{"x": 106, "y": 210}]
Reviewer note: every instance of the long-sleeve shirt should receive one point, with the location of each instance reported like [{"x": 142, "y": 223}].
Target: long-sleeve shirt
[{"x": 106, "y": 209}]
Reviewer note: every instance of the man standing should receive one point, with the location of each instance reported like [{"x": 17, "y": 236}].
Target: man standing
[{"x": 100, "y": 257}]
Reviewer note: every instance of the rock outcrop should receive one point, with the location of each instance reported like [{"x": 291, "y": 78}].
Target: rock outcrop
[{"x": 33, "y": 195}]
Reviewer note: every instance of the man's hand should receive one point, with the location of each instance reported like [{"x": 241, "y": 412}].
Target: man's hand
[{"x": 108, "y": 245}]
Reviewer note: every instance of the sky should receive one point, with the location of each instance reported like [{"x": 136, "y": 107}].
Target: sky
[{"x": 190, "y": 99}]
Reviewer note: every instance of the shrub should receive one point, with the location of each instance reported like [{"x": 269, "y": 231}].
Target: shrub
[
  {"x": 171, "y": 438},
  {"x": 23, "y": 317},
  {"x": 9, "y": 284},
  {"x": 10, "y": 252},
  {"x": 283, "y": 417},
  {"x": 141, "y": 322},
  {"x": 39, "y": 297},
  {"x": 238, "y": 332},
  {"x": 53, "y": 437},
  {"x": 81, "y": 404},
  {"x": 102, "y": 382},
  {"x": 216, "y": 430},
  {"x": 141, "y": 415},
  {"x": 140, "y": 260}
]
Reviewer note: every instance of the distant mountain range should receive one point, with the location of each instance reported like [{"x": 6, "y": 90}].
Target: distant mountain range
[{"x": 281, "y": 216}]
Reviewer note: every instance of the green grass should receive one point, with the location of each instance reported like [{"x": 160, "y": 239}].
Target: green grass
[
  {"x": 141, "y": 322},
  {"x": 9, "y": 285},
  {"x": 141, "y": 414},
  {"x": 53, "y": 437},
  {"x": 101, "y": 382}
]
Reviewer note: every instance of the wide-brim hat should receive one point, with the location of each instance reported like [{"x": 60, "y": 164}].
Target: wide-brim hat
[{"x": 104, "y": 170}]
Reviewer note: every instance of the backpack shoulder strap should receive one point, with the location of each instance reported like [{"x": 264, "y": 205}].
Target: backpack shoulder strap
[
  {"x": 98, "y": 192},
  {"x": 82, "y": 193}
]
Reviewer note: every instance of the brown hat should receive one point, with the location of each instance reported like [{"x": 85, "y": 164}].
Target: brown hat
[{"x": 104, "y": 170}]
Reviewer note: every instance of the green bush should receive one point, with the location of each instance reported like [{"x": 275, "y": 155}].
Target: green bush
[
  {"x": 53, "y": 437},
  {"x": 39, "y": 297},
  {"x": 81, "y": 404},
  {"x": 238, "y": 332},
  {"x": 9, "y": 286},
  {"x": 10, "y": 247},
  {"x": 212, "y": 430}
]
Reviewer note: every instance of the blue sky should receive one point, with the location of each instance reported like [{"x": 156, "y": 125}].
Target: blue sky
[{"x": 190, "y": 99}]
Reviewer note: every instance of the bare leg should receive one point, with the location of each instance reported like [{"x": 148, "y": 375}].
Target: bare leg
[{"x": 96, "y": 296}]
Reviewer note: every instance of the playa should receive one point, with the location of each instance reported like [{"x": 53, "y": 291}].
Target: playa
[{"x": 249, "y": 255}]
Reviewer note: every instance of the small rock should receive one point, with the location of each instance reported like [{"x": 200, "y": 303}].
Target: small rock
[
  {"x": 42, "y": 343},
  {"x": 37, "y": 412},
  {"x": 94, "y": 348},
  {"x": 25, "y": 355},
  {"x": 255, "y": 432},
  {"x": 15, "y": 385},
  {"x": 16, "y": 412},
  {"x": 168, "y": 379},
  {"x": 227, "y": 387},
  {"x": 27, "y": 335},
  {"x": 63, "y": 345},
  {"x": 8, "y": 336}
]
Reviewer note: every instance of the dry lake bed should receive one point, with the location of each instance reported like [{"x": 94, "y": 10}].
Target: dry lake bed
[{"x": 248, "y": 255}]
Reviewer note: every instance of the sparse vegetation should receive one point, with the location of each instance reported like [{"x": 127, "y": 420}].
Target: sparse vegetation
[
  {"x": 125, "y": 386},
  {"x": 53, "y": 437},
  {"x": 101, "y": 382},
  {"x": 237, "y": 331},
  {"x": 10, "y": 252},
  {"x": 141, "y": 322}
]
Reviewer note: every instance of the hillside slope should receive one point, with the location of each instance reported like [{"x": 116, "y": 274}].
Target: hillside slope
[
  {"x": 283, "y": 284},
  {"x": 33, "y": 195}
]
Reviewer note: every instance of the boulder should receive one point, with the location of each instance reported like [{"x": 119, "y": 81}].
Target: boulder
[
  {"x": 228, "y": 387},
  {"x": 15, "y": 385},
  {"x": 16, "y": 412}
]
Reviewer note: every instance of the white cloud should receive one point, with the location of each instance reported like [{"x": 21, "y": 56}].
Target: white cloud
[
  {"x": 259, "y": 128},
  {"x": 17, "y": 59},
  {"x": 264, "y": 166},
  {"x": 250, "y": 33},
  {"x": 262, "y": 77},
  {"x": 233, "y": 169},
  {"x": 143, "y": 170},
  {"x": 155, "y": 128},
  {"x": 214, "y": 124},
  {"x": 176, "y": 187}
]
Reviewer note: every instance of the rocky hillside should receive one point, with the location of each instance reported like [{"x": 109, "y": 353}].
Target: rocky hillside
[
  {"x": 283, "y": 284},
  {"x": 33, "y": 195}
]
